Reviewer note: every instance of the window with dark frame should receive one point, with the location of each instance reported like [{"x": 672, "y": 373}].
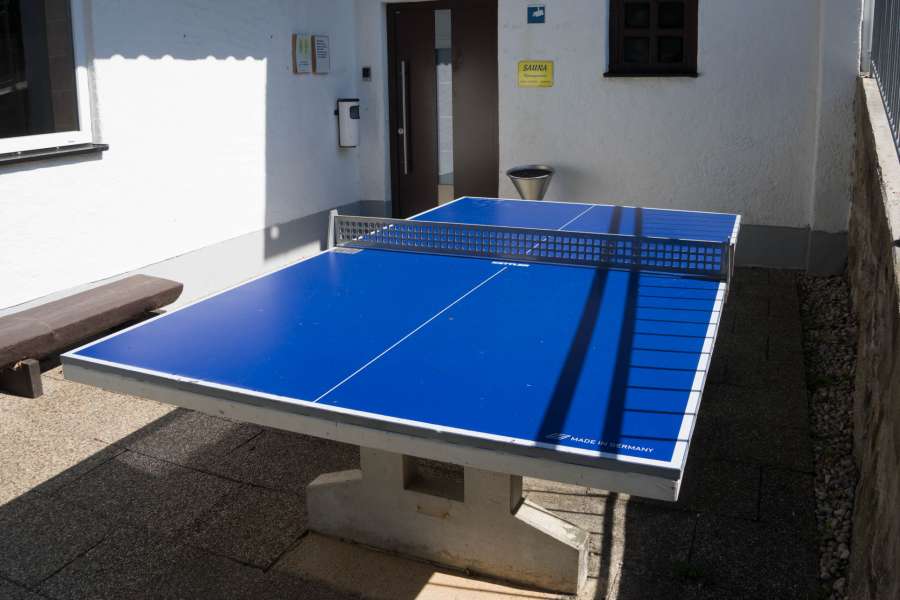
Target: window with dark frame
[
  {"x": 652, "y": 37},
  {"x": 37, "y": 68}
]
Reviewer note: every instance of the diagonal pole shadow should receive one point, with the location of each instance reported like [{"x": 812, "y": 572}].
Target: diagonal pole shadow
[{"x": 564, "y": 390}]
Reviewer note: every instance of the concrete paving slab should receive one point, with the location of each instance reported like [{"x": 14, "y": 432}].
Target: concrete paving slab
[
  {"x": 592, "y": 590},
  {"x": 760, "y": 337},
  {"x": 603, "y": 569},
  {"x": 785, "y": 340},
  {"x": 125, "y": 566},
  {"x": 785, "y": 305},
  {"x": 594, "y": 515},
  {"x": 10, "y": 490},
  {"x": 55, "y": 373},
  {"x": 783, "y": 279},
  {"x": 624, "y": 530},
  {"x": 784, "y": 325},
  {"x": 580, "y": 504},
  {"x": 199, "y": 575},
  {"x": 142, "y": 490},
  {"x": 718, "y": 369},
  {"x": 726, "y": 325},
  {"x": 74, "y": 470},
  {"x": 77, "y": 410},
  {"x": 659, "y": 538},
  {"x": 285, "y": 461},
  {"x": 40, "y": 535},
  {"x": 786, "y": 331},
  {"x": 635, "y": 582},
  {"x": 748, "y": 280},
  {"x": 530, "y": 484},
  {"x": 752, "y": 441},
  {"x": 757, "y": 372},
  {"x": 742, "y": 345},
  {"x": 380, "y": 576},
  {"x": 135, "y": 564},
  {"x": 705, "y": 434},
  {"x": 778, "y": 407},
  {"x": 11, "y": 591},
  {"x": 190, "y": 438},
  {"x": 787, "y": 498},
  {"x": 721, "y": 487},
  {"x": 748, "y": 306},
  {"x": 761, "y": 559},
  {"x": 33, "y": 457},
  {"x": 253, "y": 525}
]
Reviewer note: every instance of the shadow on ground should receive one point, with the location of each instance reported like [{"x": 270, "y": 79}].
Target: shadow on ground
[{"x": 108, "y": 496}]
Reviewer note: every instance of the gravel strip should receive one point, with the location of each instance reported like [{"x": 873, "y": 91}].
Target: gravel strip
[{"x": 829, "y": 347}]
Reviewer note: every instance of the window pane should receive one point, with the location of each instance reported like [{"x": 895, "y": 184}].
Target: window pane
[
  {"x": 671, "y": 15},
  {"x": 637, "y": 15},
  {"x": 637, "y": 50},
  {"x": 37, "y": 68},
  {"x": 671, "y": 49}
]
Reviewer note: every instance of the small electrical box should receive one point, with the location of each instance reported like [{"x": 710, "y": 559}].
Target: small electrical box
[{"x": 348, "y": 122}]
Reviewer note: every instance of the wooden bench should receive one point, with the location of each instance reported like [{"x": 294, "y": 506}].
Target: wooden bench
[{"x": 45, "y": 331}]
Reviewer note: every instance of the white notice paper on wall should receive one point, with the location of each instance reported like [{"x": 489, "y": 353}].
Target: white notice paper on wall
[
  {"x": 301, "y": 45},
  {"x": 321, "y": 54}
]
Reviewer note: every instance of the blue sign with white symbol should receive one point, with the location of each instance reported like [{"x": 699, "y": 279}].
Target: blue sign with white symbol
[{"x": 537, "y": 13}]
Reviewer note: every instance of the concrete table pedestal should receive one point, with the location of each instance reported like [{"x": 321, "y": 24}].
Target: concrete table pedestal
[{"x": 482, "y": 524}]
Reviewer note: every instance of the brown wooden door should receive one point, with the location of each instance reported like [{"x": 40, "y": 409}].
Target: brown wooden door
[
  {"x": 443, "y": 102},
  {"x": 413, "y": 108}
]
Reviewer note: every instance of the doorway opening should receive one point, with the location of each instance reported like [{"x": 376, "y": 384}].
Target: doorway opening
[{"x": 443, "y": 88}]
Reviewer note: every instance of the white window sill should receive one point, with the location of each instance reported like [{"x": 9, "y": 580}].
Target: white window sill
[{"x": 8, "y": 158}]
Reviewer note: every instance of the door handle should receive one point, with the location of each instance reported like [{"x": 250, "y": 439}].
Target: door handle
[{"x": 404, "y": 129}]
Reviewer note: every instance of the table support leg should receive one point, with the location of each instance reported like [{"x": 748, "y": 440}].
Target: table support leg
[{"x": 486, "y": 526}]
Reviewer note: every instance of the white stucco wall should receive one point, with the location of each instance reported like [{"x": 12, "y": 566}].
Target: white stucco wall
[
  {"x": 374, "y": 153},
  {"x": 742, "y": 137},
  {"x": 211, "y": 136},
  {"x": 836, "y": 128}
]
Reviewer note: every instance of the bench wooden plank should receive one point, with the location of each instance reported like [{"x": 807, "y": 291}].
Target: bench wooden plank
[{"x": 48, "y": 329}]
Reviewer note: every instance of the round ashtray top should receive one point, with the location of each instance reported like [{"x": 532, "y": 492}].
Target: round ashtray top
[{"x": 530, "y": 172}]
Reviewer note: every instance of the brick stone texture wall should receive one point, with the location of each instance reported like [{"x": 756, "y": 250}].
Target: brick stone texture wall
[{"x": 873, "y": 269}]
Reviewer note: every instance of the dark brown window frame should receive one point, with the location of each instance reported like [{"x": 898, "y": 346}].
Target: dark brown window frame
[{"x": 618, "y": 32}]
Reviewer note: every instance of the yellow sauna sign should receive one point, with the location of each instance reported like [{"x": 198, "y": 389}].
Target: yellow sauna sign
[{"x": 535, "y": 73}]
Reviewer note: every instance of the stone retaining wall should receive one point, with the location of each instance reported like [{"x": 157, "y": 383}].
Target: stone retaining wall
[{"x": 873, "y": 270}]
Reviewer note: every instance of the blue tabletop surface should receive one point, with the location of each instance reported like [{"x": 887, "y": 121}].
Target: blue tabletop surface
[{"x": 565, "y": 358}]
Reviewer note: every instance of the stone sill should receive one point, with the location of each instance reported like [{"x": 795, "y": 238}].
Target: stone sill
[
  {"x": 9, "y": 158},
  {"x": 885, "y": 155}
]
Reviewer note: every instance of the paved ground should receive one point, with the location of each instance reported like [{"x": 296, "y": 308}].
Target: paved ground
[{"x": 107, "y": 496}]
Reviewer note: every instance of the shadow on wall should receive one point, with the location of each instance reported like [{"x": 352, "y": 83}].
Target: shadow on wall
[{"x": 215, "y": 115}]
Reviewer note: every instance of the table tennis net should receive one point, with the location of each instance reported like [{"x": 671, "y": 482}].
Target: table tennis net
[{"x": 696, "y": 257}]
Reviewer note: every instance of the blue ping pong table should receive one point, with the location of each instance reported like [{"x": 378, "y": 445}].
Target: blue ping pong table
[{"x": 563, "y": 341}]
